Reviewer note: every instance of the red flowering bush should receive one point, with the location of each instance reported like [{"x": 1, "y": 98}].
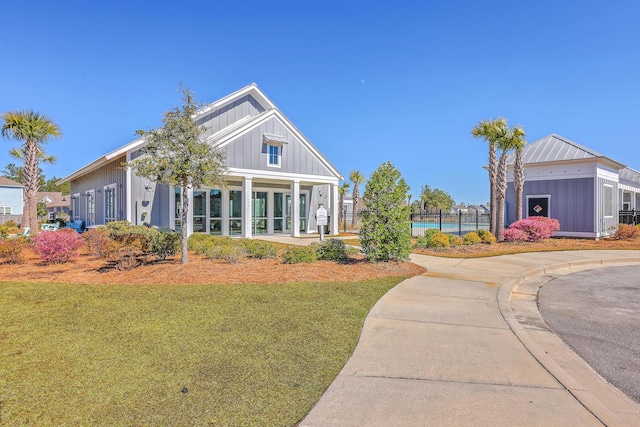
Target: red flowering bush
[
  {"x": 515, "y": 235},
  {"x": 57, "y": 247},
  {"x": 536, "y": 228}
]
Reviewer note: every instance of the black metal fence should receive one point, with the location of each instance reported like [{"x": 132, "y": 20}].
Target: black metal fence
[
  {"x": 628, "y": 217},
  {"x": 448, "y": 222}
]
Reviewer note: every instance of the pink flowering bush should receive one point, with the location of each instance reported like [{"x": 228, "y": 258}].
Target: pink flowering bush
[
  {"x": 535, "y": 228},
  {"x": 57, "y": 247},
  {"x": 515, "y": 235}
]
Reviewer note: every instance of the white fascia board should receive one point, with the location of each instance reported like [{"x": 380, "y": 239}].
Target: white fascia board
[
  {"x": 281, "y": 176},
  {"x": 251, "y": 89},
  {"x": 626, "y": 187},
  {"x": 250, "y": 125},
  {"x": 103, "y": 160}
]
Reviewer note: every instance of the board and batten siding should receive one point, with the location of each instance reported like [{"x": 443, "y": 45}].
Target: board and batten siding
[
  {"x": 226, "y": 116},
  {"x": 111, "y": 173},
  {"x": 249, "y": 151},
  {"x": 149, "y": 202},
  {"x": 571, "y": 202}
]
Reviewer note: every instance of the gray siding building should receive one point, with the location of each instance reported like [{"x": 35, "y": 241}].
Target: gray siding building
[
  {"x": 582, "y": 189},
  {"x": 276, "y": 178}
]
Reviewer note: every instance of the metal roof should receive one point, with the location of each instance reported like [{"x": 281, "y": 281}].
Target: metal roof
[
  {"x": 555, "y": 148},
  {"x": 630, "y": 177}
]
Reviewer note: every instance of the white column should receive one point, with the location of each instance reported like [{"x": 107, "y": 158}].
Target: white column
[
  {"x": 225, "y": 212},
  {"x": 335, "y": 214},
  {"x": 128, "y": 200},
  {"x": 190, "y": 213},
  {"x": 295, "y": 208},
  {"x": 246, "y": 207}
]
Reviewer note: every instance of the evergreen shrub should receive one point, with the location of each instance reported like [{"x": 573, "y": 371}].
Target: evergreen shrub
[
  {"x": 471, "y": 238},
  {"x": 298, "y": 254}
]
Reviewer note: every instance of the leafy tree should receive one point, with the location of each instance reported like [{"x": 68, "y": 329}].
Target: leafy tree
[
  {"x": 342, "y": 191},
  {"x": 511, "y": 140},
  {"x": 491, "y": 131},
  {"x": 51, "y": 184},
  {"x": 356, "y": 178},
  {"x": 176, "y": 155},
  {"x": 435, "y": 199},
  {"x": 42, "y": 210},
  {"x": 386, "y": 229},
  {"x": 32, "y": 130}
]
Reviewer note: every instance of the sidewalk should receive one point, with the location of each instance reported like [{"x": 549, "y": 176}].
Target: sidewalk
[{"x": 464, "y": 344}]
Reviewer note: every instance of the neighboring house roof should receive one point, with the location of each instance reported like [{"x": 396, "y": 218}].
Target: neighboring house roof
[
  {"x": 225, "y": 135},
  {"x": 6, "y": 182},
  {"x": 53, "y": 199},
  {"x": 630, "y": 177},
  {"x": 556, "y": 148}
]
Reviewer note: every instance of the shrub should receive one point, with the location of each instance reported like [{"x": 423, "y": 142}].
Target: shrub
[
  {"x": 259, "y": 248},
  {"x": 11, "y": 249},
  {"x": 298, "y": 254},
  {"x": 515, "y": 235},
  {"x": 132, "y": 244},
  {"x": 439, "y": 240},
  {"x": 455, "y": 240},
  {"x": 57, "y": 247},
  {"x": 331, "y": 250},
  {"x": 424, "y": 241},
  {"x": 11, "y": 224},
  {"x": 164, "y": 244},
  {"x": 230, "y": 251},
  {"x": 486, "y": 236},
  {"x": 537, "y": 227},
  {"x": 471, "y": 238},
  {"x": 627, "y": 232},
  {"x": 98, "y": 241},
  {"x": 386, "y": 229}
]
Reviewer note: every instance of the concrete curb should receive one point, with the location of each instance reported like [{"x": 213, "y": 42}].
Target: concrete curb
[{"x": 510, "y": 286}]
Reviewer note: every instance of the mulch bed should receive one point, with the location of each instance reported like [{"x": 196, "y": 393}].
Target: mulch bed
[{"x": 86, "y": 269}]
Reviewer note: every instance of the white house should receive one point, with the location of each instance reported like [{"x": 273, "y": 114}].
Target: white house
[
  {"x": 11, "y": 198},
  {"x": 276, "y": 178}
]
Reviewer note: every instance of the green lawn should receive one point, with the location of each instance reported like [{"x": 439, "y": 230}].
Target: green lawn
[{"x": 174, "y": 355}]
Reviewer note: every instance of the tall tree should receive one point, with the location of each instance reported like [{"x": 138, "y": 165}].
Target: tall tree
[
  {"x": 435, "y": 199},
  {"x": 518, "y": 176},
  {"x": 33, "y": 130},
  {"x": 506, "y": 143},
  {"x": 386, "y": 229},
  {"x": 491, "y": 131},
  {"x": 175, "y": 154},
  {"x": 357, "y": 179},
  {"x": 342, "y": 191}
]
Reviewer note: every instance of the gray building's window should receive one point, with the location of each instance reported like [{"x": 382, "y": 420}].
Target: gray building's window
[
  {"x": 235, "y": 212},
  {"x": 109, "y": 203},
  {"x": 274, "y": 155},
  {"x": 5, "y": 210},
  {"x": 215, "y": 212},
  {"x": 608, "y": 201}
]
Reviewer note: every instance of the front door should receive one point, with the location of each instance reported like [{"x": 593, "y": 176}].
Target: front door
[
  {"x": 303, "y": 212},
  {"x": 538, "y": 206}
]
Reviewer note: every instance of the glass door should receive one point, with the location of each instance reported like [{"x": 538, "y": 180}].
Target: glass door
[
  {"x": 259, "y": 212},
  {"x": 278, "y": 211},
  {"x": 199, "y": 211},
  {"x": 303, "y": 212}
]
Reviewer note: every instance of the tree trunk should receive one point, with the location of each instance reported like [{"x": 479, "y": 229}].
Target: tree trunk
[
  {"x": 31, "y": 186},
  {"x": 184, "y": 216},
  {"x": 518, "y": 182},
  {"x": 354, "y": 216},
  {"x": 493, "y": 204},
  {"x": 501, "y": 190}
]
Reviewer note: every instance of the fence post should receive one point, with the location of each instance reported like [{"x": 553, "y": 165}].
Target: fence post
[
  {"x": 440, "y": 221},
  {"x": 460, "y": 223},
  {"x": 411, "y": 221},
  {"x": 477, "y": 219}
]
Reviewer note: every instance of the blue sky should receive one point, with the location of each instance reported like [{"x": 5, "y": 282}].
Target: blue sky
[{"x": 366, "y": 82}]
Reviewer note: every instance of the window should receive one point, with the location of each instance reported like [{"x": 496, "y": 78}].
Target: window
[
  {"x": 215, "y": 212},
  {"x": 274, "y": 155},
  {"x": 235, "y": 212},
  {"x": 199, "y": 211},
  {"x": 90, "y": 207},
  {"x": 5, "y": 210},
  {"x": 109, "y": 203},
  {"x": 75, "y": 207},
  {"x": 626, "y": 201},
  {"x": 608, "y": 200}
]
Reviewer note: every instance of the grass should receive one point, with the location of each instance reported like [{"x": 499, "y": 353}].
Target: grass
[{"x": 174, "y": 355}]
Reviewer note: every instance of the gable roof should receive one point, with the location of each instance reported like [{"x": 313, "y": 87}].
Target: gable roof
[
  {"x": 556, "y": 148},
  {"x": 6, "y": 182},
  {"x": 53, "y": 199},
  {"x": 225, "y": 135}
]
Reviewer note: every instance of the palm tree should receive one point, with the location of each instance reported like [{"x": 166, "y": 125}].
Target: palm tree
[
  {"x": 342, "y": 191},
  {"x": 506, "y": 143},
  {"x": 356, "y": 178},
  {"x": 518, "y": 176},
  {"x": 491, "y": 131},
  {"x": 32, "y": 130}
]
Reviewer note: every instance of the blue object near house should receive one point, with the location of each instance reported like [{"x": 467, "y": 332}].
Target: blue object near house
[{"x": 77, "y": 225}]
